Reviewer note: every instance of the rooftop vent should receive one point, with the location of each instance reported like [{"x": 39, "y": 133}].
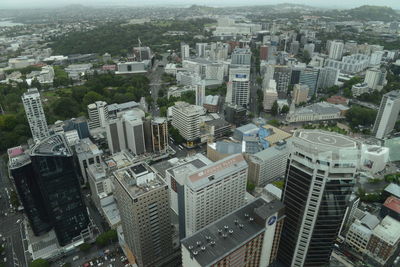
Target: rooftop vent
[
  {"x": 195, "y": 253},
  {"x": 251, "y": 219},
  {"x": 208, "y": 238},
  {"x": 230, "y": 231},
  {"x": 226, "y": 227},
  {"x": 224, "y": 235},
  {"x": 212, "y": 243},
  {"x": 246, "y": 215},
  {"x": 190, "y": 247},
  {"x": 198, "y": 243},
  {"x": 220, "y": 231},
  {"x": 241, "y": 226},
  {"x": 236, "y": 221},
  {"x": 203, "y": 248}
]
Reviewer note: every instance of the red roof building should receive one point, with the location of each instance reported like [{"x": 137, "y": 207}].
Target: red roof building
[
  {"x": 391, "y": 207},
  {"x": 337, "y": 99}
]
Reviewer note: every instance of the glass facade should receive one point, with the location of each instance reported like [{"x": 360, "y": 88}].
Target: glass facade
[{"x": 60, "y": 189}]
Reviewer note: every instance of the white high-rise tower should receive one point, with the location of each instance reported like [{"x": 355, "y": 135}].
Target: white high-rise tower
[
  {"x": 387, "y": 114},
  {"x": 35, "y": 114}
]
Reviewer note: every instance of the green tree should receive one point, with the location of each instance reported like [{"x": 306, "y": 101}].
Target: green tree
[
  {"x": 85, "y": 247},
  {"x": 285, "y": 109},
  {"x": 39, "y": 263},
  {"x": 275, "y": 108},
  {"x": 347, "y": 92},
  {"x": 174, "y": 133}
]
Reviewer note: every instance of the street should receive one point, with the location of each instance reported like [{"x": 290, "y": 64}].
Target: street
[{"x": 9, "y": 228}]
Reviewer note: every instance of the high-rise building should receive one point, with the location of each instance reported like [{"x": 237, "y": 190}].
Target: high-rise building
[
  {"x": 185, "y": 51},
  {"x": 200, "y": 93},
  {"x": 376, "y": 58},
  {"x": 387, "y": 114},
  {"x": 270, "y": 95},
  {"x": 142, "y": 53},
  {"x": 282, "y": 77},
  {"x": 268, "y": 165},
  {"x": 87, "y": 154},
  {"x": 328, "y": 77},
  {"x": 98, "y": 114},
  {"x": 21, "y": 172},
  {"x": 300, "y": 93},
  {"x": 241, "y": 56},
  {"x": 143, "y": 202},
  {"x": 201, "y": 49},
  {"x": 35, "y": 114},
  {"x": 336, "y": 50},
  {"x": 248, "y": 236},
  {"x": 375, "y": 78},
  {"x": 159, "y": 133},
  {"x": 126, "y": 132},
  {"x": 309, "y": 48},
  {"x": 213, "y": 191},
  {"x": 238, "y": 91},
  {"x": 319, "y": 182},
  {"x": 186, "y": 118},
  {"x": 294, "y": 47},
  {"x": 55, "y": 173},
  {"x": 309, "y": 76}
]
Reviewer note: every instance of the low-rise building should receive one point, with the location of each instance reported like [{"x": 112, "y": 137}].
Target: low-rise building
[
  {"x": 391, "y": 207},
  {"x": 317, "y": 112},
  {"x": 360, "y": 232},
  {"x": 359, "y": 89}
]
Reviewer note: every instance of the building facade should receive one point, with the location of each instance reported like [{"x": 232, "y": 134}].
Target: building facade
[{"x": 387, "y": 114}]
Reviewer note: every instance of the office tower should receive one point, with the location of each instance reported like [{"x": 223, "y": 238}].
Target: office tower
[
  {"x": 387, "y": 114},
  {"x": 186, "y": 118},
  {"x": 375, "y": 78},
  {"x": 294, "y": 47},
  {"x": 268, "y": 165},
  {"x": 235, "y": 114},
  {"x": 185, "y": 51},
  {"x": 201, "y": 49},
  {"x": 309, "y": 48},
  {"x": 126, "y": 132},
  {"x": 21, "y": 172},
  {"x": 241, "y": 56},
  {"x": 54, "y": 169},
  {"x": 300, "y": 93},
  {"x": 309, "y": 76},
  {"x": 159, "y": 133},
  {"x": 87, "y": 154},
  {"x": 295, "y": 75},
  {"x": 336, "y": 50},
  {"x": 143, "y": 203},
  {"x": 268, "y": 75},
  {"x": 248, "y": 236},
  {"x": 328, "y": 77},
  {"x": 213, "y": 191},
  {"x": 200, "y": 93},
  {"x": 270, "y": 95},
  {"x": 282, "y": 77},
  {"x": 98, "y": 114},
  {"x": 264, "y": 52},
  {"x": 35, "y": 114},
  {"x": 238, "y": 91},
  {"x": 319, "y": 182}
]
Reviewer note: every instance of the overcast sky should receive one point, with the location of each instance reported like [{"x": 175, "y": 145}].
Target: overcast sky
[{"x": 320, "y": 3}]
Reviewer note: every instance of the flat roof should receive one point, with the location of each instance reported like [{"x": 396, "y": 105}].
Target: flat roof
[
  {"x": 221, "y": 238},
  {"x": 388, "y": 230},
  {"x": 55, "y": 145},
  {"x": 393, "y": 203},
  {"x": 325, "y": 138}
]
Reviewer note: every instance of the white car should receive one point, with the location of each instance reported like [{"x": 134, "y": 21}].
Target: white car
[{"x": 19, "y": 220}]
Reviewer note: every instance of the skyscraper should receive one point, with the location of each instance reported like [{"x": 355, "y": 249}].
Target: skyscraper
[
  {"x": 54, "y": 169},
  {"x": 239, "y": 91},
  {"x": 98, "y": 114},
  {"x": 200, "y": 93},
  {"x": 336, "y": 50},
  {"x": 143, "y": 202},
  {"x": 309, "y": 76},
  {"x": 159, "y": 133},
  {"x": 319, "y": 183},
  {"x": 186, "y": 118},
  {"x": 387, "y": 114},
  {"x": 35, "y": 114}
]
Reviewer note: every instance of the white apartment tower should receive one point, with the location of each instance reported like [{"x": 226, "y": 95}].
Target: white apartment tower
[
  {"x": 201, "y": 49},
  {"x": 336, "y": 50},
  {"x": 213, "y": 191},
  {"x": 200, "y": 93},
  {"x": 185, "y": 51},
  {"x": 387, "y": 114},
  {"x": 98, "y": 114},
  {"x": 35, "y": 114},
  {"x": 270, "y": 95}
]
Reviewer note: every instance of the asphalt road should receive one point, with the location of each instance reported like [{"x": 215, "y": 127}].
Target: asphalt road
[{"x": 9, "y": 228}]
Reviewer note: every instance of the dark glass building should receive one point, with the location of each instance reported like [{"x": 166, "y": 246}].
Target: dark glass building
[
  {"x": 53, "y": 166},
  {"x": 319, "y": 183},
  {"x": 21, "y": 171}
]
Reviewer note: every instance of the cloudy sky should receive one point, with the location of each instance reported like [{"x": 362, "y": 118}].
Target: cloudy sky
[{"x": 320, "y": 3}]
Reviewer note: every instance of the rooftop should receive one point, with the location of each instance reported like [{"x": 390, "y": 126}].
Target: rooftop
[
  {"x": 321, "y": 108},
  {"x": 219, "y": 239},
  {"x": 393, "y": 203},
  {"x": 215, "y": 171},
  {"x": 138, "y": 179},
  {"x": 388, "y": 230},
  {"x": 17, "y": 157},
  {"x": 86, "y": 146},
  {"x": 393, "y": 189},
  {"x": 122, "y": 106},
  {"x": 324, "y": 138},
  {"x": 54, "y": 145}
]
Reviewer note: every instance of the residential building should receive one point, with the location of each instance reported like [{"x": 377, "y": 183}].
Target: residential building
[
  {"x": 126, "y": 132},
  {"x": 238, "y": 91},
  {"x": 248, "y": 236},
  {"x": 185, "y": 51},
  {"x": 200, "y": 93},
  {"x": 60, "y": 188},
  {"x": 336, "y": 50},
  {"x": 328, "y": 77},
  {"x": 201, "y": 49},
  {"x": 318, "y": 162},
  {"x": 186, "y": 119},
  {"x": 375, "y": 78},
  {"x": 282, "y": 76},
  {"x": 384, "y": 240},
  {"x": 270, "y": 96},
  {"x": 213, "y": 191},
  {"x": 359, "y": 89},
  {"x": 349, "y": 64},
  {"x": 300, "y": 93},
  {"x": 387, "y": 114},
  {"x": 35, "y": 114},
  {"x": 268, "y": 165},
  {"x": 98, "y": 114},
  {"x": 376, "y": 58},
  {"x": 143, "y": 202}
]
